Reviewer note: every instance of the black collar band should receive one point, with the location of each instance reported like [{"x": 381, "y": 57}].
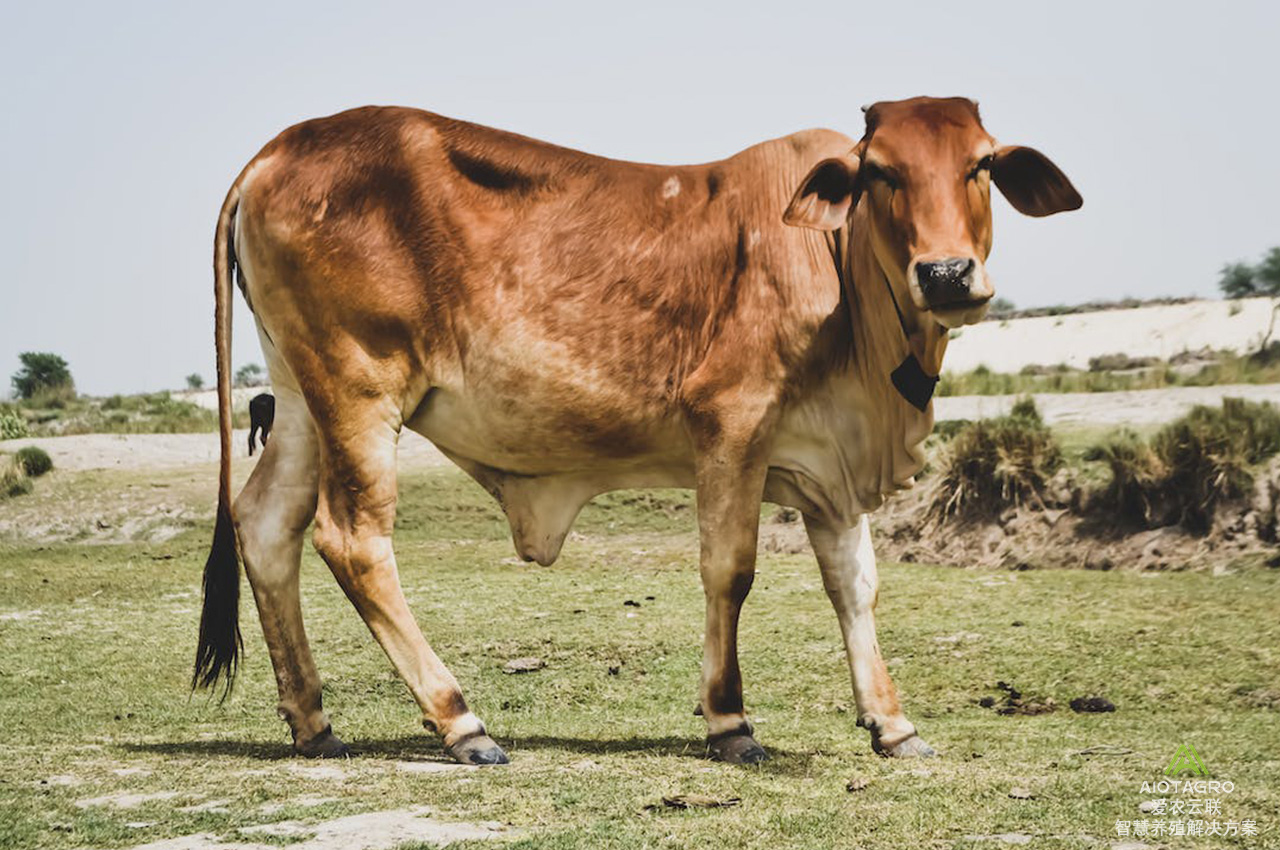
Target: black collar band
[
  {"x": 910, "y": 379},
  {"x": 913, "y": 383}
]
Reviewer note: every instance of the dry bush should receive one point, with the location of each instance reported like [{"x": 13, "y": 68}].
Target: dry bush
[
  {"x": 13, "y": 480},
  {"x": 993, "y": 464},
  {"x": 1190, "y": 467},
  {"x": 1135, "y": 472}
]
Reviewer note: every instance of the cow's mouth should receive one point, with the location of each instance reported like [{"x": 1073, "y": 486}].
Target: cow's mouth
[{"x": 961, "y": 312}]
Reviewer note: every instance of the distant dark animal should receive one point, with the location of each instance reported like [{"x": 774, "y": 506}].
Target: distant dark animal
[{"x": 262, "y": 415}]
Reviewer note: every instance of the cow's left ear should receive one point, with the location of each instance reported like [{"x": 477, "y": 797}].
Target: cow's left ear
[
  {"x": 1032, "y": 183},
  {"x": 825, "y": 195}
]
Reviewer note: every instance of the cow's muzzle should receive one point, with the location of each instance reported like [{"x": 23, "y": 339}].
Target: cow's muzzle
[{"x": 954, "y": 289}]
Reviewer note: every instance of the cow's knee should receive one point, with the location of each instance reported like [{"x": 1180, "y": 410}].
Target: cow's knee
[{"x": 357, "y": 559}]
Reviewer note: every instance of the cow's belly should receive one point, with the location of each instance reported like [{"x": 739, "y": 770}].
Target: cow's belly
[
  {"x": 543, "y": 463},
  {"x": 527, "y": 434}
]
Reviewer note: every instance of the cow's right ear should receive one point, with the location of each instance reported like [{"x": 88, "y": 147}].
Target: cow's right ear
[{"x": 825, "y": 195}]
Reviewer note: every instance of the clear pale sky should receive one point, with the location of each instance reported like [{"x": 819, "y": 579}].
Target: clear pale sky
[{"x": 124, "y": 124}]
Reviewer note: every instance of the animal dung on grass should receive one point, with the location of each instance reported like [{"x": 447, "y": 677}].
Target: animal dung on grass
[
  {"x": 1015, "y": 703},
  {"x": 523, "y": 665},
  {"x": 1092, "y": 705},
  {"x": 695, "y": 801}
]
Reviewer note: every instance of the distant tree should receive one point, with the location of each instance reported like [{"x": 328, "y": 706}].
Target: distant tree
[
  {"x": 194, "y": 381},
  {"x": 249, "y": 375},
  {"x": 42, "y": 373},
  {"x": 1241, "y": 280}
]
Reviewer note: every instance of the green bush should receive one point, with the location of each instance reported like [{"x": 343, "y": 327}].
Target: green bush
[
  {"x": 34, "y": 461},
  {"x": 993, "y": 464},
  {"x": 12, "y": 425}
]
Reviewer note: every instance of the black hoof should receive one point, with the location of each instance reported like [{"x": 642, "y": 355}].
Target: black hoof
[
  {"x": 478, "y": 749},
  {"x": 326, "y": 745},
  {"x": 736, "y": 749}
]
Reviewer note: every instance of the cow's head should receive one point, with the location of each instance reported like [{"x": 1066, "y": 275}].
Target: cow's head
[{"x": 922, "y": 176}]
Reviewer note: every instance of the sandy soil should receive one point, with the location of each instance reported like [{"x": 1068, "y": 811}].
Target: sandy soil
[{"x": 1160, "y": 331}]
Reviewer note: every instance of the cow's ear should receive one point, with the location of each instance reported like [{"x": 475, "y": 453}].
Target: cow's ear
[
  {"x": 1032, "y": 183},
  {"x": 825, "y": 195}
]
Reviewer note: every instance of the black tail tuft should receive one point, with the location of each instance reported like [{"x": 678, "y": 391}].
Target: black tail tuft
[{"x": 220, "y": 643}]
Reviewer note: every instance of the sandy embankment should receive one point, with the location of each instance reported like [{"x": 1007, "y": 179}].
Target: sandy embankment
[{"x": 1158, "y": 331}]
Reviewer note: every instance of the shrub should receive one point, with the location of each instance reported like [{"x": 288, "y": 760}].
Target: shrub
[
  {"x": 993, "y": 464},
  {"x": 34, "y": 461},
  {"x": 12, "y": 425},
  {"x": 1135, "y": 472},
  {"x": 13, "y": 481},
  {"x": 1191, "y": 466}
]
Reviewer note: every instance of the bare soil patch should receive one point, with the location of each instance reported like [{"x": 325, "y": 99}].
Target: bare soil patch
[{"x": 370, "y": 831}]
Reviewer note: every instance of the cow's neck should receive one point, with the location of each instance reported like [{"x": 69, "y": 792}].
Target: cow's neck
[{"x": 876, "y": 435}]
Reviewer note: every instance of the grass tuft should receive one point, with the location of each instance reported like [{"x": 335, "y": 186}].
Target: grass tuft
[
  {"x": 993, "y": 464},
  {"x": 13, "y": 479}
]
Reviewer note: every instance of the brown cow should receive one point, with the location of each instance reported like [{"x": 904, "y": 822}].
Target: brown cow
[{"x": 767, "y": 327}]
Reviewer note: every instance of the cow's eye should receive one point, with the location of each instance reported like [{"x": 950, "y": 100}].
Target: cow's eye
[
  {"x": 877, "y": 174},
  {"x": 984, "y": 164}
]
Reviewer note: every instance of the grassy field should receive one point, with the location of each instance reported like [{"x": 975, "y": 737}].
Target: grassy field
[
  {"x": 96, "y": 643},
  {"x": 1227, "y": 369}
]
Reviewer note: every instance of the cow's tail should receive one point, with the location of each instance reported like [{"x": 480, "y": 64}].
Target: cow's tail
[{"x": 220, "y": 644}]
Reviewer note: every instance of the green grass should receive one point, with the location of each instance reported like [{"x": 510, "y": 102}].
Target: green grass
[
  {"x": 1227, "y": 369},
  {"x": 144, "y": 413},
  {"x": 96, "y": 682}
]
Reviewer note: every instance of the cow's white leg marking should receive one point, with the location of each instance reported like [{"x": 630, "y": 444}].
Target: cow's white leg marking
[
  {"x": 354, "y": 521},
  {"x": 272, "y": 514},
  {"x": 848, "y": 564}
]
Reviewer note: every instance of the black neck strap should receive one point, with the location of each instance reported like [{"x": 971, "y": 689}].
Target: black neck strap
[{"x": 910, "y": 379}]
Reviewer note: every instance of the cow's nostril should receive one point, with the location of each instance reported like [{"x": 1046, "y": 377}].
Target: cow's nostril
[{"x": 947, "y": 280}]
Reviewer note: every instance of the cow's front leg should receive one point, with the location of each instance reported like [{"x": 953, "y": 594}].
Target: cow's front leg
[
  {"x": 730, "y": 486},
  {"x": 848, "y": 565}
]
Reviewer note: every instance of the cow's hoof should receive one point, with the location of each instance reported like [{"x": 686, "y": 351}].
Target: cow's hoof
[
  {"x": 478, "y": 750},
  {"x": 912, "y": 747},
  {"x": 326, "y": 745},
  {"x": 735, "y": 749}
]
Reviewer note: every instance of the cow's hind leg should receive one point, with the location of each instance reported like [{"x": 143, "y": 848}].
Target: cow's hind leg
[
  {"x": 354, "y": 521},
  {"x": 272, "y": 515},
  {"x": 848, "y": 565}
]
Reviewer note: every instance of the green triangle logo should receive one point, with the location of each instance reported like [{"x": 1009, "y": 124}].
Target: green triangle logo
[{"x": 1185, "y": 759}]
